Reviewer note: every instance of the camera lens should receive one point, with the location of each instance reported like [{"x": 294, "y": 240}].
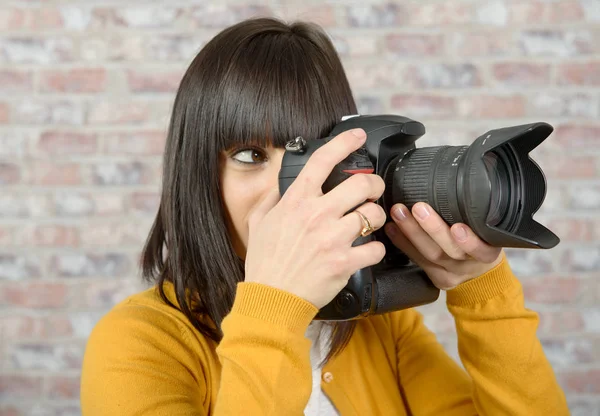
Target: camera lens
[
  {"x": 499, "y": 188},
  {"x": 487, "y": 192}
]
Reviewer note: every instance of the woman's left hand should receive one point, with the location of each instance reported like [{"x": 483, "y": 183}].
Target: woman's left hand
[{"x": 449, "y": 255}]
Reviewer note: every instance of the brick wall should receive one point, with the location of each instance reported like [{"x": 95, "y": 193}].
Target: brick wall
[{"x": 85, "y": 93}]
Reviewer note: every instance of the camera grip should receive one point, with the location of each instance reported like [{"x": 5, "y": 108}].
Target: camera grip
[{"x": 403, "y": 287}]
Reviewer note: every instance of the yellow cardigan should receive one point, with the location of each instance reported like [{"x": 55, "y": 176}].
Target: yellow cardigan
[{"x": 144, "y": 358}]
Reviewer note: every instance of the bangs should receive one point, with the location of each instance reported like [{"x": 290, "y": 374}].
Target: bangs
[{"x": 278, "y": 86}]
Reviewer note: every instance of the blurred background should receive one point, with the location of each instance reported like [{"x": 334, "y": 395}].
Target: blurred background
[{"x": 86, "y": 89}]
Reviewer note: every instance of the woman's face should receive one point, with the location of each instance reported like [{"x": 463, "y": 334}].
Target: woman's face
[{"x": 247, "y": 175}]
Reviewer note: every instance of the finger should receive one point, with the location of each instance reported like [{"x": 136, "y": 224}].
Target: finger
[
  {"x": 403, "y": 243},
  {"x": 428, "y": 248},
  {"x": 263, "y": 207},
  {"x": 323, "y": 160},
  {"x": 438, "y": 230},
  {"x": 471, "y": 244},
  {"x": 351, "y": 224},
  {"x": 354, "y": 191},
  {"x": 440, "y": 276},
  {"x": 365, "y": 255}
]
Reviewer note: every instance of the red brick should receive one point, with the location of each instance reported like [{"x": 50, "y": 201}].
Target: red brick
[
  {"x": 53, "y": 173},
  {"x": 564, "y": 12},
  {"x": 476, "y": 43},
  {"x": 425, "y": 105},
  {"x": 56, "y": 326},
  {"x": 50, "y": 235},
  {"x": 88, "y": 80},
  {"x": 12, "y": 19},
  {"x": 356, "y": 46},
  {"x": 127, "y": 112},
  {"x": 221, "y": 14},
  {"x": 107, "y": 204},
  {"x": 62, "y": 387},
  {"x": 322, "y": 14},
  {"x": 34, "y": 295},
  {"x": 579, "y": 74},
  {"x": 577, "y": 135},
  {"x": 561, "y": 322},
  {"x": 436, "y": 14},
  {"x": 6, "y": 235},
  {"x": 43, "y": 19},
  {"x": 153, "y": 81},
  {"x": 10, "y": 173},
  {"x": 580, "y": 381},
  {"x": 20, "y": 386},
  {"x": 4, "y": 113},
  {"x": 10, "y": 410},
  {"x": 572, "y": 229},
  {"x": 565, "y": 166},
  {"x": 13, "y": 81},
  {"x": 144, "y": 142},
  {"x": 526, "y": 12},
  {"x": 489, "y": 106},
  {"x": 405, "y": 45},
  {"x": 552, "y": 290},
  {"x": 522, "y": 73},
  {"x": 145, "y": 201},
  {"x": 19, "y": 327},
  {"x": 68, "y": 143}
]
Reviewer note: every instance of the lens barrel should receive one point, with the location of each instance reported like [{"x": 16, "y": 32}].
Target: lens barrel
[{"x": 492, "y": 185}]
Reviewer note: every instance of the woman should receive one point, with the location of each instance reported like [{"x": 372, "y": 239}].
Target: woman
[{"x": 240, "y": 273}]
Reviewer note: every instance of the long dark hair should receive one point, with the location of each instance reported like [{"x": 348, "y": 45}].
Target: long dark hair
[{"x": 260, "y": 82}]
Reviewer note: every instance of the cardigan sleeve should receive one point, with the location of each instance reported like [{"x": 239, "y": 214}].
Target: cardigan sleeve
[
  {"x": 507, "y": 371},
  {"x": 142, "y": 362}
]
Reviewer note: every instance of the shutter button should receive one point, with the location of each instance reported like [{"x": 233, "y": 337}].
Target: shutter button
[{"x": 327, "y": 377}]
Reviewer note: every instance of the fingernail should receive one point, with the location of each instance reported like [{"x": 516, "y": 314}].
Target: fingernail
[
  {"x": 460, "y": 233},
  {"x": 359, "y": 133},
  {"x": 391, "y": 229},
  {"x": 399, "y": 213},
  {"x": 421, "y": 211}
]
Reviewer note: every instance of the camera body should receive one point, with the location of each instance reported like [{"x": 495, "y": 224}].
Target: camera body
[{"x": 460, "y": 182}]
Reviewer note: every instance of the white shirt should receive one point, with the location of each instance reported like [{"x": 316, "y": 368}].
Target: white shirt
[{"x": 318, "y": 404}]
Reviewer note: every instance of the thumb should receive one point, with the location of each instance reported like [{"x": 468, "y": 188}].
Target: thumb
[{"x": 264, "y": 206}]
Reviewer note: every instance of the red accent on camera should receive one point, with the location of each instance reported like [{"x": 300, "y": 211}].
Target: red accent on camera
[{"x": 354, "y": 171}]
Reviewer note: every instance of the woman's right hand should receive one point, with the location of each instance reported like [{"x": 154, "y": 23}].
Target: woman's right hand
[{"x": 302, "y": 243}]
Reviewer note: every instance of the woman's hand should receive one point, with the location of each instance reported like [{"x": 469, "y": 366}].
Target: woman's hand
[
  {"x": 303, "y": 243},
  {"x": 449, "y": 255}
]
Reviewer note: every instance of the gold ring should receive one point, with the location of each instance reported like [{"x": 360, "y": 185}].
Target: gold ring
[{"x": 367, "y": 228}]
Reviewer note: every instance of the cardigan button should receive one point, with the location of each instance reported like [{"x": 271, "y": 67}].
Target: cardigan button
[{"x": 327, "y": 377}]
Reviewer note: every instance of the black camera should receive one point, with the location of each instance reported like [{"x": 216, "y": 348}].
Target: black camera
[{"x": 492, "y": 186}]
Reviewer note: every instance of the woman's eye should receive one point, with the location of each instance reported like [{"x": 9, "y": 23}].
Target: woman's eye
[{"x": 250, "y": 156}]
